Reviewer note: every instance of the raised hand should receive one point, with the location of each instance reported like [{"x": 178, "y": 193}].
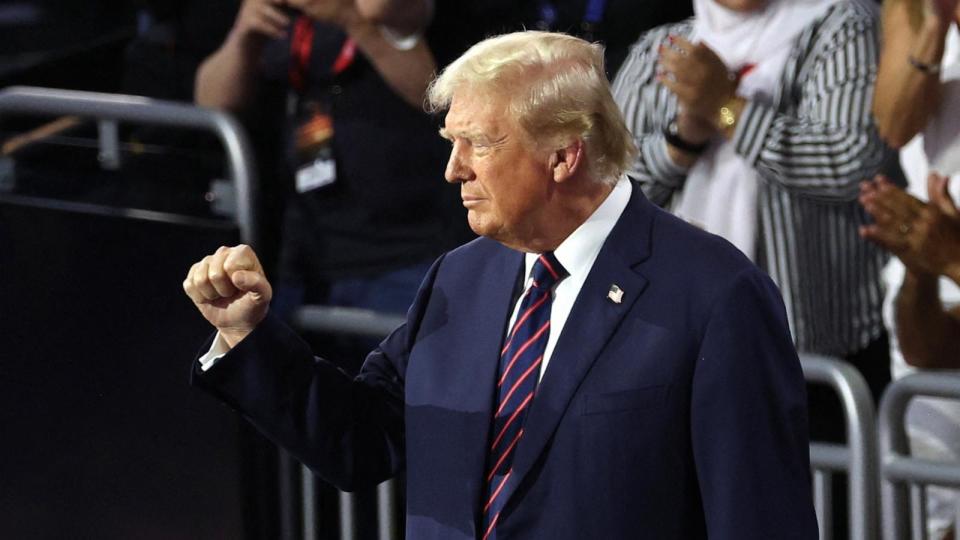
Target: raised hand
[
  {"x": 697, "y": 76},
  {"x": 230, "y": 290}
]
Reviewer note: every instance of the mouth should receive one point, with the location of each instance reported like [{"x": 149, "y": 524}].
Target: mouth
[{"x": 470, "y": 201}]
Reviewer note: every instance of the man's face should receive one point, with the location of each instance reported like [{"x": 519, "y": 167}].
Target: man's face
[{"x": 505, "y": 183}]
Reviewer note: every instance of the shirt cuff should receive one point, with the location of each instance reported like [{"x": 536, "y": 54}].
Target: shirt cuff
[
  {"x": 751, "y": 131},
  {"x": 217, "y": 350},
  {"x": 654, "y": 148}
]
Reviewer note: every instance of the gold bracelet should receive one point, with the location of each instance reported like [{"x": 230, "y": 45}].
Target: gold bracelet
[{"x": 726, "y": 117}]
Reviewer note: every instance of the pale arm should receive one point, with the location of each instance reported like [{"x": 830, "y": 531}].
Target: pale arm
[
  {"x": 405, "y": 17},
  {"x": 906, "y": 96},
  {"x": 407, "y": 72},
  {"x": 227, "y": 79}
]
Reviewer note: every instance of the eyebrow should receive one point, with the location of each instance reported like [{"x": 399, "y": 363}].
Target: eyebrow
[{"x": 471, "y": 136}]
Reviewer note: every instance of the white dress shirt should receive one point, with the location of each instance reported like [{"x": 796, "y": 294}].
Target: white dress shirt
[{"x": 577, "y": 254}]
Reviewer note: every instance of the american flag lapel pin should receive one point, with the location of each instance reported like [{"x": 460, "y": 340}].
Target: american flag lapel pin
[{"x": 615, "y": 294}]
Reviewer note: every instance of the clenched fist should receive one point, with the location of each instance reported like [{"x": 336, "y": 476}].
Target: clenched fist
[{"x": 230, "y": 290}]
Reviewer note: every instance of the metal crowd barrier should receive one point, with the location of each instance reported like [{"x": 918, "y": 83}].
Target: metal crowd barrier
[
  {"x": 110, "y": 109},
  {"x": 858, "y": 458},
  {"x": 359, "y": 323},
  {"x": 904, "y": 477}
]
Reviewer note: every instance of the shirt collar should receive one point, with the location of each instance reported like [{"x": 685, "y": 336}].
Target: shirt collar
[{"x": 578, "y": 251}]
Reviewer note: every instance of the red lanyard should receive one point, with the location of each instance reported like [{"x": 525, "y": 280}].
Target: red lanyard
[{"x": 301, "y": 47}]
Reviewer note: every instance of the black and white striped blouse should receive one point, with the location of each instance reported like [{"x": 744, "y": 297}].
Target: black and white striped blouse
[{"x": 811, "y": 148}]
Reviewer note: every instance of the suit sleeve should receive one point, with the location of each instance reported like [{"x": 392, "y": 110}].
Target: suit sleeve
[
  {"x": 350, "y": 431},
  {"x": 748, "y": 415}
]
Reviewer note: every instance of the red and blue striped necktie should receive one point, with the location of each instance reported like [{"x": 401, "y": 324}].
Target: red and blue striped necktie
[{"x": 517, "y": 379}]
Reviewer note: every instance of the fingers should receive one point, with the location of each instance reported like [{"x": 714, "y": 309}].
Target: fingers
[
  {"x": 254, "y": 283},
  {"x": 274, "y": 19},
  {"x": 676, "y": 73},
  {"x": 190, "y": 288},
  {"x": 695, "y": 74},
  {"x": 675, "y": 61},
  {"x": 888, "y": 238},
  {"x": 245, "y": 271},
  {"x": 894, "y": 212},
  {"x": 241, "y": 257},
  {"x": 201, "y": 281},
  {"x": 878, "y": 236},
  {"x": 214, "y": 278},
  {"x": 939, "y": 194},
  {"x": 266, "y": 18},
  {"x": 682, "y": 44},
  {"x": 217, "y": 276},
  {"x": 888, "y": 204}
]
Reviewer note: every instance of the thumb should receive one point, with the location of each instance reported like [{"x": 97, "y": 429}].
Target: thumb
[
  {"x": 940, "y": 196},
  {"x": 252, "y": 282}
]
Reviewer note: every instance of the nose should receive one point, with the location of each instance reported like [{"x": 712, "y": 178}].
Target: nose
[{"x": 458, "y": 169}]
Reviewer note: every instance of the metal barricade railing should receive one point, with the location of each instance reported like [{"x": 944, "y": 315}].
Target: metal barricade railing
[
  {"x": 362, "y": 323},
  {"x": 904, "y": 477},
  {"x": 858, "y": 458},
  {"x": 109, "y": 109}
]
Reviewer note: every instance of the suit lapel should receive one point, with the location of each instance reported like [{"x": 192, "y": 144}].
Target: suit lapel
[
  {"x": 474, "y": 366},
  {"x": 592, "y": 321}
]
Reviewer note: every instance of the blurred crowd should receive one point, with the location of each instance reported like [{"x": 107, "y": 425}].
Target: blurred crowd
[{"x": 332, "y": 93}]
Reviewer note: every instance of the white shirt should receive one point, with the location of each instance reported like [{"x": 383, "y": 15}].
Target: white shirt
[{"x": 576, "y": 254}]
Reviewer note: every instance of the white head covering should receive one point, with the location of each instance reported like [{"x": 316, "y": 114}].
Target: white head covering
[{"x": 720, "y": 194}]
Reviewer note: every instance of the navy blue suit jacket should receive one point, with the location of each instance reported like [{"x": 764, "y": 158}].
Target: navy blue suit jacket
[{"x": 678, "y": 413}]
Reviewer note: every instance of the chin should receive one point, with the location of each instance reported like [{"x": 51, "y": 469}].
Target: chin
[{"x": 482, "y": 227}]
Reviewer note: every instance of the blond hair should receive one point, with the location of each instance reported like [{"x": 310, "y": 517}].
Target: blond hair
[{"x": 556, "y": 89}]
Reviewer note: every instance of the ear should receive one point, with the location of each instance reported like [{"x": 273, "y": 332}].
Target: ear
[{"x": 566, "y": 161}]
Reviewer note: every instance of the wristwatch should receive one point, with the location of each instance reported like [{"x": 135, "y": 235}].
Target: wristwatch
[
  {"x": 398, "y": 41},
  {"x": 672, "y": 135}
]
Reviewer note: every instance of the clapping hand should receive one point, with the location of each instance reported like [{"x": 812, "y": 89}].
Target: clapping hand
[
  {"x": 925, "y": 236},
  {"x": 697, "y": 76}
]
